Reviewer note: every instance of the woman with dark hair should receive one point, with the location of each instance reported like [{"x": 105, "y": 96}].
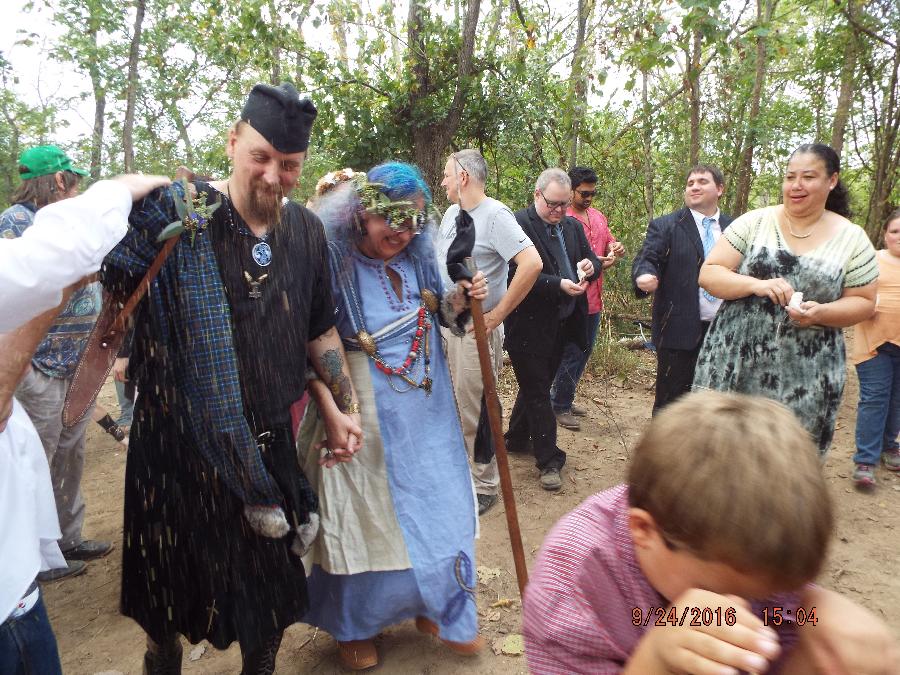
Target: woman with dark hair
[
  {"x": 398, "y": 522},
  {"x": 792, "y": 276},
  {"x": 876, "y": 355}
]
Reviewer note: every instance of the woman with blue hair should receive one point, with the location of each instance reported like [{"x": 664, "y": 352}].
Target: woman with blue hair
[{"x": 398, "y": 522}]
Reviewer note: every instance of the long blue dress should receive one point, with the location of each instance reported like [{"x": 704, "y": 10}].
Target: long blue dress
[{"x": 402, "y": 531}]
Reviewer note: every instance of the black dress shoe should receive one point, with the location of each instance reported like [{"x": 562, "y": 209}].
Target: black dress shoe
[
  {"x": 72, "y": 569},
  {"x": 89, "y": 549},
  {"x": 485, "y": 502}
]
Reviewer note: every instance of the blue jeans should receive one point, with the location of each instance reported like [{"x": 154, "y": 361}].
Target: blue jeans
[
  {"x": 28, "y": 646},
  {"x": 126, "y": 404},
  {"x": 878, "y": 413},
  {"x": 562, "y": 392}
]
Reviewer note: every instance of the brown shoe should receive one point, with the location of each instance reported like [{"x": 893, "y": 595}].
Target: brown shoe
[
  {"x": 470, "y": 648},
  {"x": 358, "y": 654},
  {"x": 568, "y": 421}
]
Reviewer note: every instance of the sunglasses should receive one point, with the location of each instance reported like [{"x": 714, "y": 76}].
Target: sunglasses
[
  {"x": 553, "y": 206},
  {"x": 587, "y": 194}
]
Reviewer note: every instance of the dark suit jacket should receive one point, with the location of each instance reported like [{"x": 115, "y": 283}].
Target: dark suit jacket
[
  {"x": 673, "y": 251},
  {"x": 534, "y": 325}
]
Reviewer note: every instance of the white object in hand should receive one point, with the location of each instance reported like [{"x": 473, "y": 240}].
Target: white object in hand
[
  {"x": 796, "y": 300},
  {"x": 581, "y": 275}
]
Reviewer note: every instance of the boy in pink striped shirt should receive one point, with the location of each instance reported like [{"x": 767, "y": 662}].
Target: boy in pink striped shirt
[{"x": 702, "y": 563}]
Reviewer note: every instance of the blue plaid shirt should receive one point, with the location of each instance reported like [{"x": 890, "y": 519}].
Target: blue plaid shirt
[
  {"x": 58, "y": 353},
  {"x": 192, "y": 322}
]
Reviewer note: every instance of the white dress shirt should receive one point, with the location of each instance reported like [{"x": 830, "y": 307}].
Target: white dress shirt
[
  {"x": 708, "y": 308},
  {"x": 67, "y": 241}
]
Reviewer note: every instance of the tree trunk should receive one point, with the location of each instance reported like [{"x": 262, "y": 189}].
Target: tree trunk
[
  {"x": 845, "y": 96},
  {"x": 577, "y": 81},
  {"x": 131, "y": 96},
  {"x": 433, "y": 136},
  {"x": 764, "y": 10},
  {"x": 886, "y": 160},
  {"x": 99, "y": 105},
  {"x": 648, "y": 147},
  {"x": 693, "y": 91}
]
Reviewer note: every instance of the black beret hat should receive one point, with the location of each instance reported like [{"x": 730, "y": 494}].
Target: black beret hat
[{"x": 280, "y": 116}]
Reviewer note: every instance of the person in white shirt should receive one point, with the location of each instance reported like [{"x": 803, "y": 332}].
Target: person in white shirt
[
  {"x": 499, "y": 239},
  {"x": 66, "y": 243}
]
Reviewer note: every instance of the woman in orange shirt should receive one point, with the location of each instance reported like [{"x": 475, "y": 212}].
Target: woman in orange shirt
[{"x": 876, "y": 355}]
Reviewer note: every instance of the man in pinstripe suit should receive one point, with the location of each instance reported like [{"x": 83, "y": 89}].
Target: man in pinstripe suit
[{"x": 667, "y": 266}]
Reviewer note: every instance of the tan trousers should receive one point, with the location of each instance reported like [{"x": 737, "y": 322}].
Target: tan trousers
[
  {"x": 43, "y": 397},
  {"x": 462, "y": 356}
]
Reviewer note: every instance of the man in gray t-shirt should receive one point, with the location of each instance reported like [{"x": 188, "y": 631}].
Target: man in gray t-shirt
[{"x": 498, "y": 239}]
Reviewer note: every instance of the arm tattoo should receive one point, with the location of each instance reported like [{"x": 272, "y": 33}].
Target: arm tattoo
[{"x": 337, "y": 381}]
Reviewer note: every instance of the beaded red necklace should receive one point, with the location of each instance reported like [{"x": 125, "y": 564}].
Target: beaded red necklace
[{"x": 418, "y": 348}]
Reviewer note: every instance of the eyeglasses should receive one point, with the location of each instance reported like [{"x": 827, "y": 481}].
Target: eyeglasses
[
  {"x": 587, "y": 194},
  {"x": 554, "y": 206}
]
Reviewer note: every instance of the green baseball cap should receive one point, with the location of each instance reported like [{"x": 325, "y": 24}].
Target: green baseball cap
[{"x": 44, "y": 160}]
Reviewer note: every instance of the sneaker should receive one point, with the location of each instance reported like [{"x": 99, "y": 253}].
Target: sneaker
[
  {"x": 578, "y": 411},
  {"x": 864, "y": 476},
  {"x": 88, "y": 550},
  {"x": 485, "y": 502},
  {"x": 550, "y": 479},
  {"x": 73, "y": 569},
  {"x": 567, "y": 421},
  {"x": 891, "y": 459}
]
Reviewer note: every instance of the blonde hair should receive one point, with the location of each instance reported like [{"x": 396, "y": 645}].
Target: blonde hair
[{"x": 735, "y": 479}]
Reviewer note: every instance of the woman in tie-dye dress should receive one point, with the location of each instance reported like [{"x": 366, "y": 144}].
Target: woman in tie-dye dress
[{"x": 760, "y": 342}]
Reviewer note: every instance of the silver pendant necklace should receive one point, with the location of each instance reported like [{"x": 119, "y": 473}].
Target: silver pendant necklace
[{"x": 261, "y": 251}]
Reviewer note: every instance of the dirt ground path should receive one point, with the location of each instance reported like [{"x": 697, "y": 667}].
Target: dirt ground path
[{"x": 94, "y": 638}]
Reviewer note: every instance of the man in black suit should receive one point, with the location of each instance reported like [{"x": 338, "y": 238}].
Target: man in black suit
[
  {"x": 553, "y": 313},
  {"x": 668, "y": 265}
]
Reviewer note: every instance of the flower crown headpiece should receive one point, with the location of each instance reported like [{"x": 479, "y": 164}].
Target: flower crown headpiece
[{"x": 396, "y": 213}]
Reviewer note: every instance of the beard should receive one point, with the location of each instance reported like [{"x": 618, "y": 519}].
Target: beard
[{"x": 264, "y": 203}]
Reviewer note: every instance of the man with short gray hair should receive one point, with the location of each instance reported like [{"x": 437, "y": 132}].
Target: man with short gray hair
[
  {"x": 552, "y": 314},
  {"x": 499, "y": 241}
]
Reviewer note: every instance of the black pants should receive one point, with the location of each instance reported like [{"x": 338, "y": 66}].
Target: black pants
[
  {"x": 532, "y": 424},
  {"x": 675, "y": 372}
]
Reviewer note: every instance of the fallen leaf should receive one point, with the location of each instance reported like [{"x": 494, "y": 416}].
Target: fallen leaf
[
  {"x": 513, "y": 645},
  {"x": 503, "y": 602},
  {"x": 494, "y": 616},
  {"x": 597, "y": 401},
  {"x": 197, "y": 652}
]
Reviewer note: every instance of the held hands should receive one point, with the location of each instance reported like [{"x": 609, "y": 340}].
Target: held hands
[
  {"x": 140, "y": 185},
  {"x": 647, "y": 282},
  {"x": 714, "y": 649},
  {"x": 343, "y": 438}
]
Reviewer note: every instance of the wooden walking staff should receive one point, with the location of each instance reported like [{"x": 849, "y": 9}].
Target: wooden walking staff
[{"x": 493, "y": 407}]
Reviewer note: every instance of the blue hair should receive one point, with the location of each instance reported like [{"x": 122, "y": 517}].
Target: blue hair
[{"x": 400, "y": 181}]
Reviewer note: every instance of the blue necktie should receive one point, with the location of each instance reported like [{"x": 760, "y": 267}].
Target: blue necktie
[{"x": 708, "y": 242}]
